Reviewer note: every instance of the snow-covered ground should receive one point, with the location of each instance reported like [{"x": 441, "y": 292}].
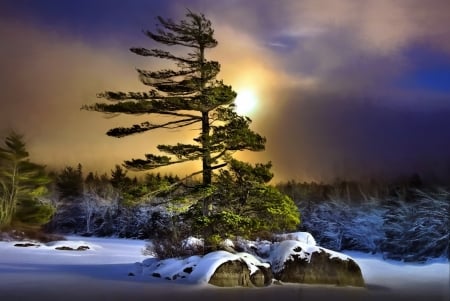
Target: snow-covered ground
[{"x": 103, "y": 273}]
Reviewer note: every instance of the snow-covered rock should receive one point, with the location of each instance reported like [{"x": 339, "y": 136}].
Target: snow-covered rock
[
  {"x": 295, "y": 259},
  {"x": 71, "y": 245},
  {"x": 219, "y": 268},
  {"x": 298, "y": 262},
  {"x": 231, "y": 273},
  {"x": 304, "y": 237}
]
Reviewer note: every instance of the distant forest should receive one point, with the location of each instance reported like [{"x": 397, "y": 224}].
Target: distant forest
[{"x": 403, "y": 219}]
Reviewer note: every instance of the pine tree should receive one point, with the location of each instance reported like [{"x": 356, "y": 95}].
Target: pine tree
[
  {"x": 245, "y": 205},
  {"x": 119, "y": 178},
  {"x": 22, "y": 183},
  {"x": 69, "y": 182},
  {"x": 190, "y": 95}
]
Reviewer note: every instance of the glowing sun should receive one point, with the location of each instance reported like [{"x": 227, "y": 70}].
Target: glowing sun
[{"x": 245, "y": 102}]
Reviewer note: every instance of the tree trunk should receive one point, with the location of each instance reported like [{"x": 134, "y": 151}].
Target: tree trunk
[{"x": 206, "y": 158}]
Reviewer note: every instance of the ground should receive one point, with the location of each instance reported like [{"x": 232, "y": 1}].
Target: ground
[{"x": 102, "y": 272}]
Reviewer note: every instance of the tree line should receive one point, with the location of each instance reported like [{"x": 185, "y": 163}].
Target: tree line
[{"x": 403, "y": 219}]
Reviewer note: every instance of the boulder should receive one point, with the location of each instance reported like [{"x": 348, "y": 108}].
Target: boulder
[
  {"x": 237, "y": 273},
  {"x": 25, "y": 245},
  {"x": 65, "y": 248},
  {"x": 262, "y": 277},
  {"x": 231, "y": 273},
  {"x": 297, "y": 262}
]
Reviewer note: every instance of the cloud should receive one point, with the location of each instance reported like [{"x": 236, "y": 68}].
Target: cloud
[
  {"x": 325, "y": 73},
  {"x": 348, "y": 47},
  {"x": 352, "y": 120},
  {"x": 377, "y": 26}
]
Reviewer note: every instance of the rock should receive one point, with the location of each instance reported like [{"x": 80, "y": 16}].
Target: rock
[
  {"x": 268, "y": 275},
  {"x": 297, "y": 262},
  {"x": 65, "y": 248},
  {"x": 188, "y": 270},
  {"x": 230, "y": 274},
  {"x": 237, "y": 273},
  {"x": 25, "y": 245},
  {"x": 257, "y": 278}
]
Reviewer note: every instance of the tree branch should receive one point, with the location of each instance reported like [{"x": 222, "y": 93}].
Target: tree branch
[{"x": 120, "y": 132}]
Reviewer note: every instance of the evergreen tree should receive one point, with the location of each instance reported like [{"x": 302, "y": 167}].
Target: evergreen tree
[
  {"x": 22, "y": 184},
  {"x": 69, "y": 182},
  {"x": 244, "y": 204},
  {"x": 119, "y": 178},
  {"x": 190, "y": 95}
]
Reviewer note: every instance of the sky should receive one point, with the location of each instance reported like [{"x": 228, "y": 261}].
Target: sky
[{"x": 351, "y": 89}]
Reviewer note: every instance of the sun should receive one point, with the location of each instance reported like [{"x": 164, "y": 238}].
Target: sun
[{"x": 245, "y": 102}]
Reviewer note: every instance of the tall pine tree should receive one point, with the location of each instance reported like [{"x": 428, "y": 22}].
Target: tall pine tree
[{"x": 191, "y": 95}]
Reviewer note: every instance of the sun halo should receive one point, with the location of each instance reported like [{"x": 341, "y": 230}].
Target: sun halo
[{"x": 246, "y": 102}]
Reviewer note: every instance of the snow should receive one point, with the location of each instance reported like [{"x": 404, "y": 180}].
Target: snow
[
  {"x": 118, "y": 267},
  {"x": 101, "y": 251},
  {"x": 397, "y": 275},
  {"x": 228, "y": 243},
  {"x": 253, "y": 262},
  {"x": 304, "y": 237},
  {"x": 192, "y": 242},
  {"x": 209, "y": 263}
]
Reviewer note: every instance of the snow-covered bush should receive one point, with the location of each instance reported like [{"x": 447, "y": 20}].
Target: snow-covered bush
[
  {"x": 336, "y": 224},
  {"x": 175, "y": 246},
  {"x": 364, "y": 231},
  {"x": 412, "y": 229},
  {"x": 419, "y": 229}
]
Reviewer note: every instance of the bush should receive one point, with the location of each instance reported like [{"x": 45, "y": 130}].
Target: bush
[
  {"x": 336, "y": 224},
  {"x": 419, "y": 229},
  {"x": 410, "y": 229},
  {"x": 164, "y": 248}
]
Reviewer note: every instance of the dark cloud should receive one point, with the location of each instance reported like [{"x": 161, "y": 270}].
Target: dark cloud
[{"x": 327, "y": 136}]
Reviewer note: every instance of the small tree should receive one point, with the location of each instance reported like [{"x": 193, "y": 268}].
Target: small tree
[{"x": 22, "y": 184}]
